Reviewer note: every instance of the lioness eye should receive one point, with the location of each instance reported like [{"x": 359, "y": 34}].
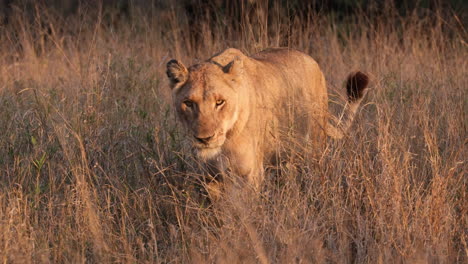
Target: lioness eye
[
  {"x": 219, "y": 102},
  {"x": 188, "y": 103}
]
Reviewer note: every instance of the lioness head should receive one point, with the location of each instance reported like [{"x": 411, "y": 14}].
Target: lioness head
[{"x": 206, "y": 98}]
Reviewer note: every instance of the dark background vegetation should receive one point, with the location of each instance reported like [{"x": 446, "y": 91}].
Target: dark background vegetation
[{"x": 235, "y": 10}]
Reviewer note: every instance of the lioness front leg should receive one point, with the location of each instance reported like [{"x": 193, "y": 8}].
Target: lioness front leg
[{"x": 245, "y": 162}]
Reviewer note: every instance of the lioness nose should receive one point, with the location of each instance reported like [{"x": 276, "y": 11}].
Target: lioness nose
[{"x": 204, "y": 140}]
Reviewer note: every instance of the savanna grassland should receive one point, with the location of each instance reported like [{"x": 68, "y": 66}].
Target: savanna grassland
[{"x": 94, "y": 168}]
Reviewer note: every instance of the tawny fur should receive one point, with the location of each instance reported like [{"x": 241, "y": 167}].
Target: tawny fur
[{"x": 239, "y": 108}]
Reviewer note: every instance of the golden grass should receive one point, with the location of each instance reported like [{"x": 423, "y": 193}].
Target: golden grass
[{"x": 93, "y": 166}]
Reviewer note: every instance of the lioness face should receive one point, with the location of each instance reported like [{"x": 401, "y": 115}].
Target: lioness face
[{"x": 206, "y": 101}]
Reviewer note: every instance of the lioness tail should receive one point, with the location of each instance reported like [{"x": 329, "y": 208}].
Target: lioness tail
[{"x": 356, "y": 85}]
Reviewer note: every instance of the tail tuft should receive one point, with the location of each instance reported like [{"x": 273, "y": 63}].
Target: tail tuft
[
  {"x": 356, "y": 89},
  {"x": 356, "y": 85}
]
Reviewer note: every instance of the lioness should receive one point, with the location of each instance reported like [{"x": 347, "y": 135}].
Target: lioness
[{"x": 238, "y": 107}]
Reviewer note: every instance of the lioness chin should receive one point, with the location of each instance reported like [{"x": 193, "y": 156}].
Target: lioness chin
[{"x": 237, "y": 107}]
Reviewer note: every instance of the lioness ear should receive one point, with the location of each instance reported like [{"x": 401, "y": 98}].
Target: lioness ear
[
  {"x": 234, "y": 67},
  {"x": 176, "y": 72}
]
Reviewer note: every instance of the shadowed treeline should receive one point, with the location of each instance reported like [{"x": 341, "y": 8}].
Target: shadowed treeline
[{"x": 197, "y": 9}]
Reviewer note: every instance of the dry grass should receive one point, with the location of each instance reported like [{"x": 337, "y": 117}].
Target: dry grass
[{"x": 93, "y": 167}]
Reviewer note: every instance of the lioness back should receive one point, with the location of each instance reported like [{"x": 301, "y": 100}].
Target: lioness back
[{"x": 297, "y": 91}]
